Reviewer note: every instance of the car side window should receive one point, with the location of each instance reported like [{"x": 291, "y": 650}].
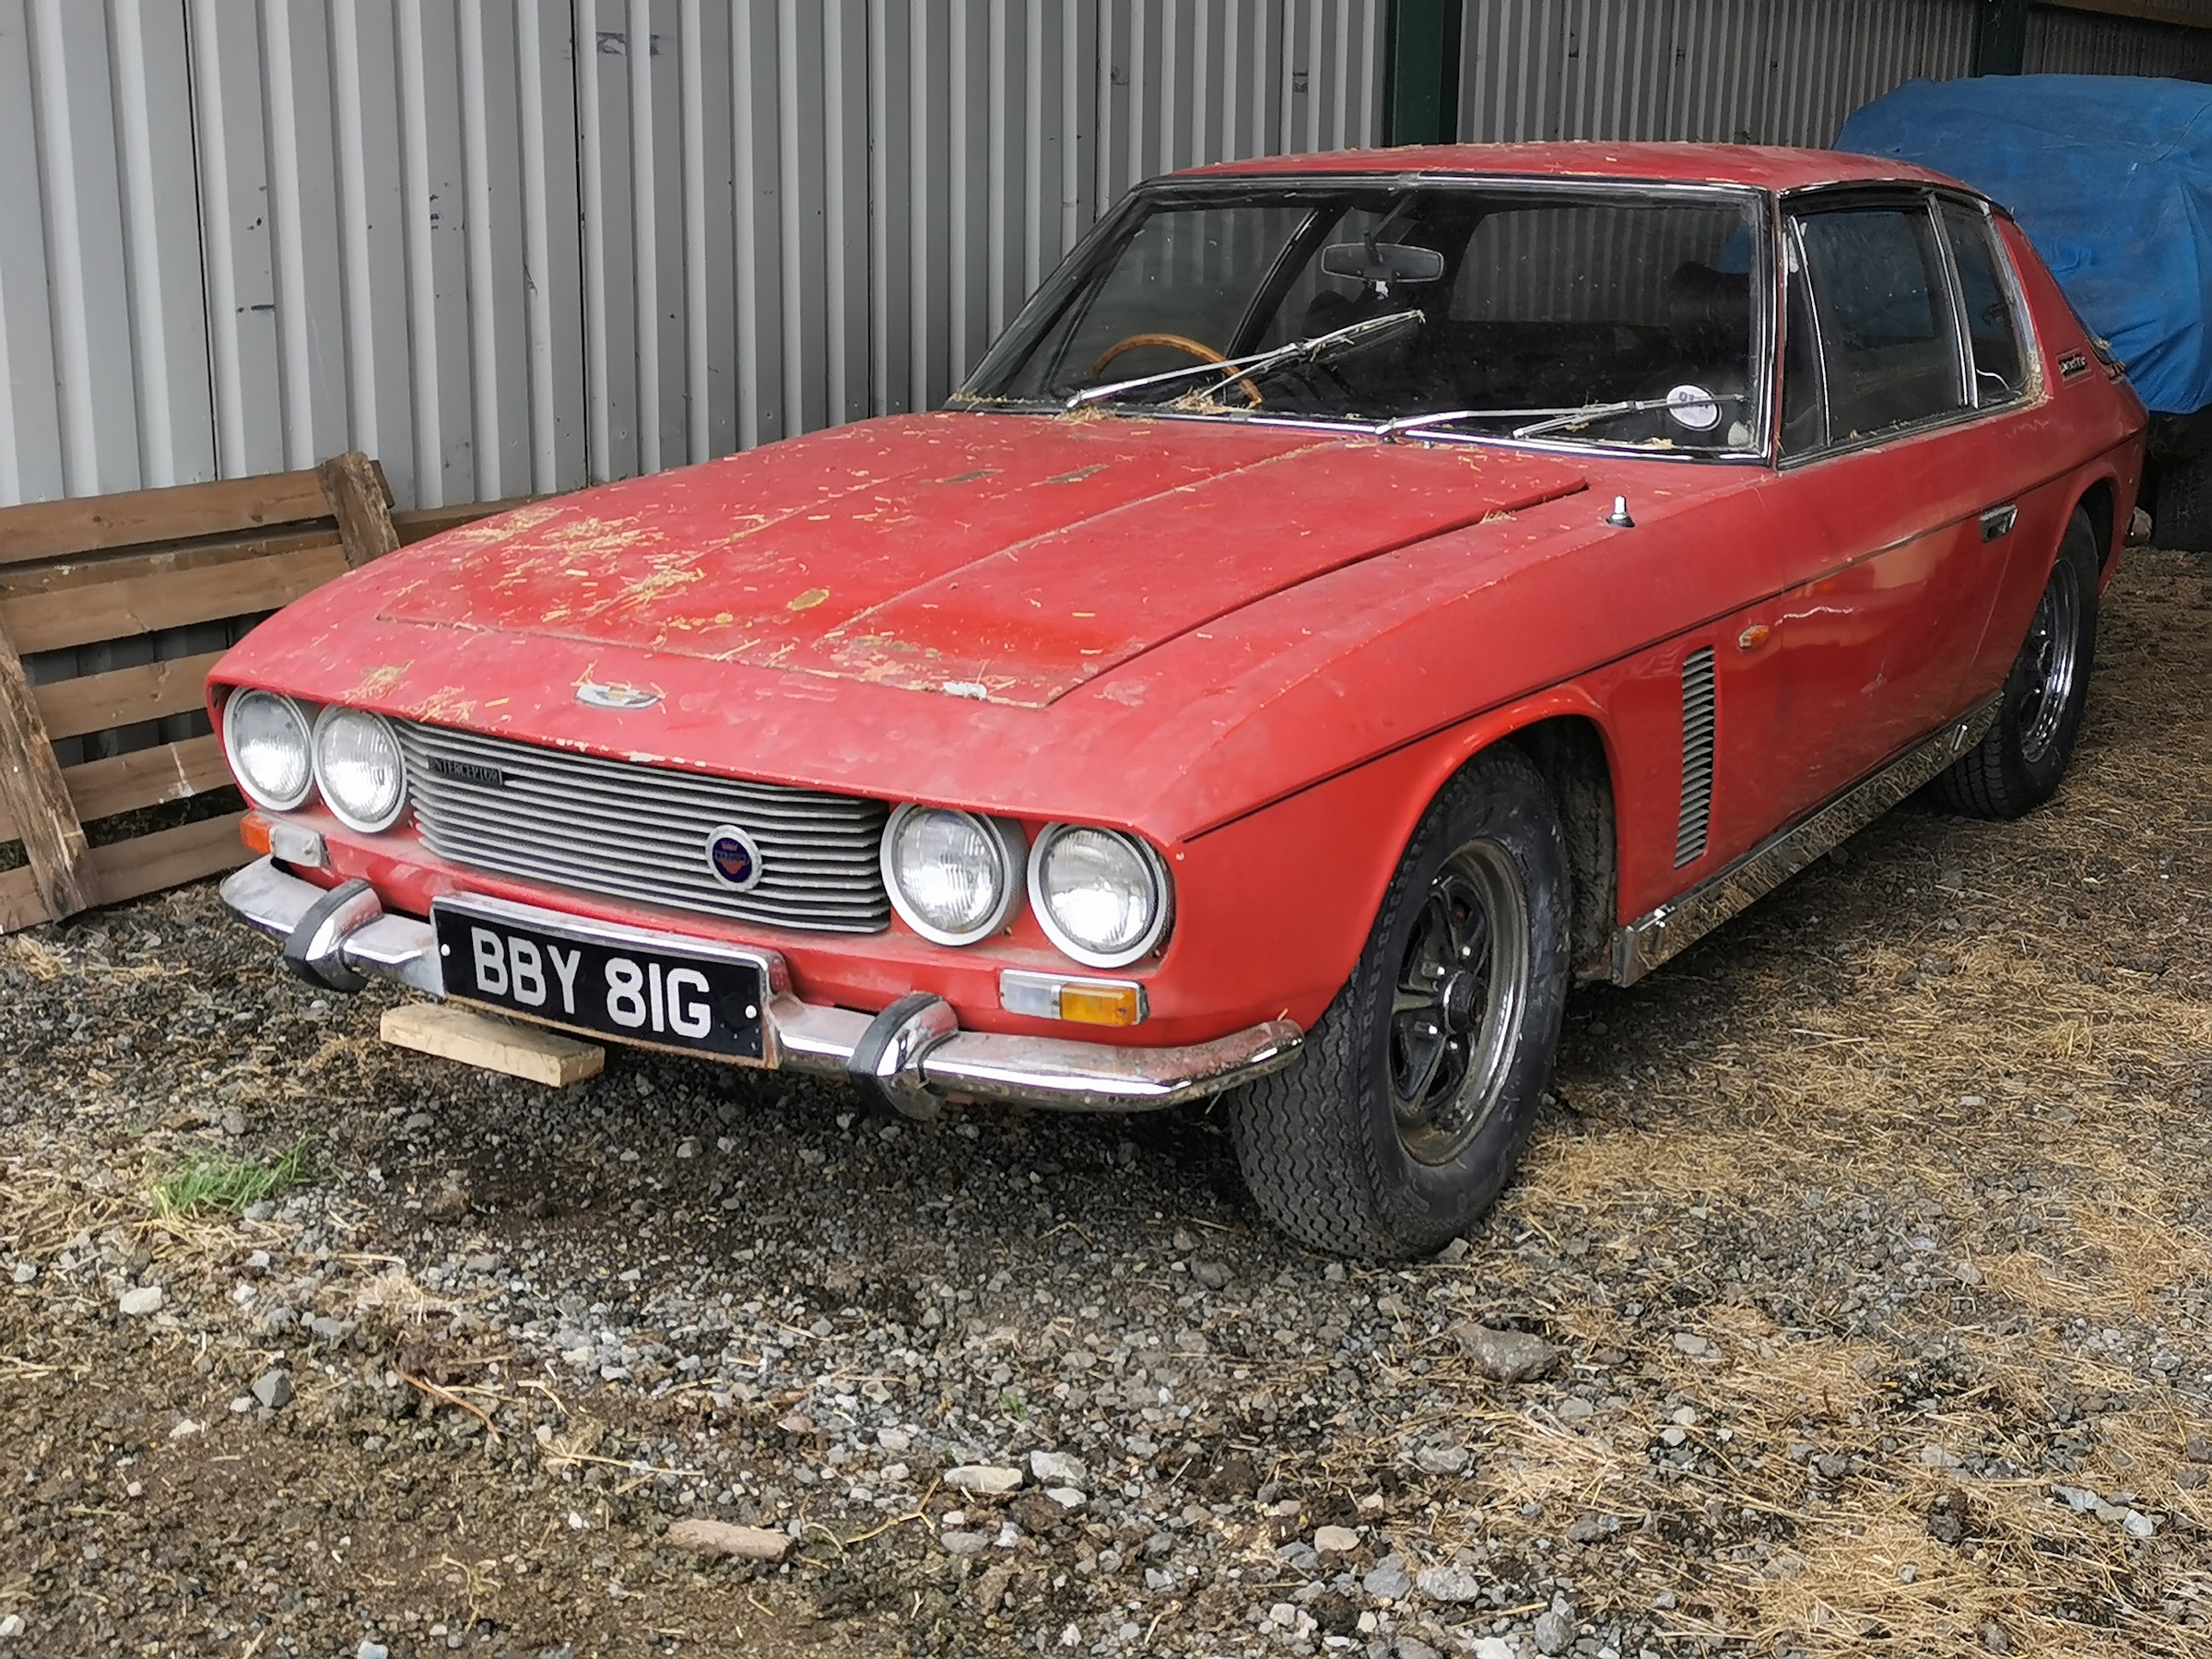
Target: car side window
[
  {"x": 1992, "y": 331},
  {"x": 1804, "y": 427},
  {"x": 1889, "y": 352}
]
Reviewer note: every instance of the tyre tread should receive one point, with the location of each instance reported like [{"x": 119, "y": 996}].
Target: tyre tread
[
  {"x": 1297, "y": 1145},
  {"x": 1988, "y": 781}
]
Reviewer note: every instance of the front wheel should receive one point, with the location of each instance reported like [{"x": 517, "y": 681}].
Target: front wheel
[
  {"x": 2016, "y": 766},
  {"x": 1421, "y": 1079}
]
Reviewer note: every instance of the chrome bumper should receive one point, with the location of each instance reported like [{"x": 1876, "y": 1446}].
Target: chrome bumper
[{"x": 910, "y": 1055}]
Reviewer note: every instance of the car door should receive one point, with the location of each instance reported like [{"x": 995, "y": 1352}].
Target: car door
[{"x": 1893, "y": 484}]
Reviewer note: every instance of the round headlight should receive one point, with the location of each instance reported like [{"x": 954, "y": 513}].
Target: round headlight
[
  {"x": 1100, "y": 896},
  {"x": 358, "y": 764},
  {"x": 953, "y": 877},
  {"x": 266, "y": 737}
]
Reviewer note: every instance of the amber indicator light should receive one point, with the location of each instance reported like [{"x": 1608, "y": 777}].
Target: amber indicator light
[{"x": 1100, "y": 1004}]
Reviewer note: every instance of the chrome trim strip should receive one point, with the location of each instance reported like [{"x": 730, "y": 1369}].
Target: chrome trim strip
[
  {"x": 935, "y": 1058},
  {"x": 1643, "y": 943},
  {"x": 383, "y": 947},
  {"x": 887, "y": 1061},
  {"x": 1090, "y": 1076},
  {"x": 399, "y": 949}
]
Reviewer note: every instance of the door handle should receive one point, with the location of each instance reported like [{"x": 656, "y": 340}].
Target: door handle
[{"x": 1998, "y": 521}]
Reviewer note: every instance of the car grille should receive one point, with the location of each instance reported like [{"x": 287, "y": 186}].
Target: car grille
[{"x": 641, "y": 833}]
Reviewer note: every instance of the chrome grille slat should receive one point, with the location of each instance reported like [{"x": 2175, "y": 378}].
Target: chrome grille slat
[
  {"x": 568, "y": 770},
  {"x": 631, "y": 830},
  {"x": 493, "y": 814},
  {"x": 849, "y": 919},
  {"x": 797, "y": 884}
]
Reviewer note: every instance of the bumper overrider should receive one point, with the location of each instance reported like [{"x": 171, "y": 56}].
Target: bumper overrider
[{"x": 911, "y": 1056}]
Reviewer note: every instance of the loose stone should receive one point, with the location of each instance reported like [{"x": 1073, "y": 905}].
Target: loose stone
[{"x": 724, "y": 1539}]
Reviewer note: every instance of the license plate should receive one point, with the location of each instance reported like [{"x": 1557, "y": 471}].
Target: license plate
[{"x": 609, "y": 981}]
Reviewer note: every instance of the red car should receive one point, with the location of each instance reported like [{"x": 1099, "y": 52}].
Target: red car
[{"x": 1360, "y": 595}]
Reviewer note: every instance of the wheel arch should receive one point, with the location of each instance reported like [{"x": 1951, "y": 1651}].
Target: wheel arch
[
  {"x": 1569, "y": 751},
  {"x": 1564, "y": 735},
  {"x": 2100, "y": 500}
]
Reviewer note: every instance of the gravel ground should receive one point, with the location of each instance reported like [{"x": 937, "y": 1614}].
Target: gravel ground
[{"x": 1856, "y": 1296}]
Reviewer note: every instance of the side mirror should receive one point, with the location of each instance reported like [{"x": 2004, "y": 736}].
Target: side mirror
[{"x": 1382, "y": 263}]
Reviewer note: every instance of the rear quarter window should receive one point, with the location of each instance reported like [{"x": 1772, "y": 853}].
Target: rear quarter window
[{"x": 1991, "y": 328}]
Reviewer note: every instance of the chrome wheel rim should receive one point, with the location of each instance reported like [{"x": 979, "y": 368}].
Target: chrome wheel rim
[
  {"x": 1461, "y": 985},
  {"x": 2052, "y": 654}
]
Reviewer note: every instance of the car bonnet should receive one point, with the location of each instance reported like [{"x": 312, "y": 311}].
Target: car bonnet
[{"x": 1006, "y": 558}]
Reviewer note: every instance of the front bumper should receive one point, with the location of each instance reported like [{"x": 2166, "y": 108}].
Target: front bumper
[{"x": 911, "y": 1055}]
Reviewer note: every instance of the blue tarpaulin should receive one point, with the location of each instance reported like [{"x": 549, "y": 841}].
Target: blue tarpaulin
[{"x": 2110, "y": 177}]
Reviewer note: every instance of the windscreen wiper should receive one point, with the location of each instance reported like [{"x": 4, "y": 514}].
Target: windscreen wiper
[
  {"x": 1551, "y": 420},
  {"x": 1320, "y": 347}
]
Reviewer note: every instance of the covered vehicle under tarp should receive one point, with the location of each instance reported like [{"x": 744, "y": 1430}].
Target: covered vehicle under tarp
[{"x": 2111, "y": 177}]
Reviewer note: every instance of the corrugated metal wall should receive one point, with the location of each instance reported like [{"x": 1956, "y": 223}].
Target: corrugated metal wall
[
  {"x": 236, "y": 235},
  {"x": 2074, "y": 42},
  {"x": 507, "y": 246},
  {"x": 1741, "y": 71},
  {"x": 1755, "y": 71}
]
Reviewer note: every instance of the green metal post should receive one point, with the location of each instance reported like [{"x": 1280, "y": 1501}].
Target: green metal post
[
  {"x": 2002, "y": 46},
  {"x": 1421, "y": 93}
]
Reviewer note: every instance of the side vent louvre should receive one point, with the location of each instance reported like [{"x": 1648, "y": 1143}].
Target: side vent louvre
[{"x": 1698, "y": 712}]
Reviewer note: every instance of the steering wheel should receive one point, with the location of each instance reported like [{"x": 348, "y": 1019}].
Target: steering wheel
[{"x": 1203, "y": 352}]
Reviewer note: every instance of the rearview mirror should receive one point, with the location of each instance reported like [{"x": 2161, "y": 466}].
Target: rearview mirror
[{"x": 1382, "y": 262}]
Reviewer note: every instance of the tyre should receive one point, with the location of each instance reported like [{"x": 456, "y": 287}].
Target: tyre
[
  {"x": 1421, "y": 1079},
  {"x": 2016, "y": 767},
  {"x": 2181, "y": 515}
]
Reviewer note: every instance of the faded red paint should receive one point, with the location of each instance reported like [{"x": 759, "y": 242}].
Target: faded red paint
[
  {"x": 1262, "y": 649},
  {"x": 1025, "y": 557},
  {"x": 1762, "y": 167}
]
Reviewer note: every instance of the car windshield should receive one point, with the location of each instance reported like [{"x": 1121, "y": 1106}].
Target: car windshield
[{"x": 1617, "y": 317}]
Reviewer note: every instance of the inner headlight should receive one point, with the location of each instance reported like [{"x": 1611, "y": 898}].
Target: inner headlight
[
  {"x": 357, "y": 763},
  {"x": 266, "y": 737},
  {"x": 953, "y": 877},
  {"x": 1100, "y": 896}
]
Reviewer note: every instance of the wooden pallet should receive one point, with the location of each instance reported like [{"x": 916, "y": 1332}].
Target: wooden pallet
[{"x": 97, "y": 569}]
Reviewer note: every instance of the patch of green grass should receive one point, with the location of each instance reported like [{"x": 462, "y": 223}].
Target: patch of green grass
[{"x": 212, "y": 1181}]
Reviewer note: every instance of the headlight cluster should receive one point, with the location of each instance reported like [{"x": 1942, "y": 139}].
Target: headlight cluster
[
  {"x": 265, "y": 736},
  {"x": 282, "y": 755},
  {"x": 364, "y": 782},
  {"x": 1100, "y": 896},
  {"x": 954, "y": 877}
]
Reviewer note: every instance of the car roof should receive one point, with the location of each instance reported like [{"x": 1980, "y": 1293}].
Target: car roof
[{"x": 1764, "y": 166}]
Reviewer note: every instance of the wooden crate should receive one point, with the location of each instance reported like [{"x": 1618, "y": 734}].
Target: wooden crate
[{"x": 93, "y": 571}]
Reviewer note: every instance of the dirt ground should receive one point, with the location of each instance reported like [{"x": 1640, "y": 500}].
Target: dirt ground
[{"x": 1870, "y": 1244}]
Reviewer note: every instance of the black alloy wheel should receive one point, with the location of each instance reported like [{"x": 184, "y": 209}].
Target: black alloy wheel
[{"x": 1421, "y": 1081}]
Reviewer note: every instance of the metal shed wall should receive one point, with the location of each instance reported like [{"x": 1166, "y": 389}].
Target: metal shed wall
[
  {"x": 2080, "y": 42},
  {"x": 237, "y": 235},
  {"x": 1740, "y": 71},
  {"x": 1755, "y": 71}
]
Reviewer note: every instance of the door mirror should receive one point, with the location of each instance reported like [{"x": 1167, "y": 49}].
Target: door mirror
[{"x": 1382, "y": 263}]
